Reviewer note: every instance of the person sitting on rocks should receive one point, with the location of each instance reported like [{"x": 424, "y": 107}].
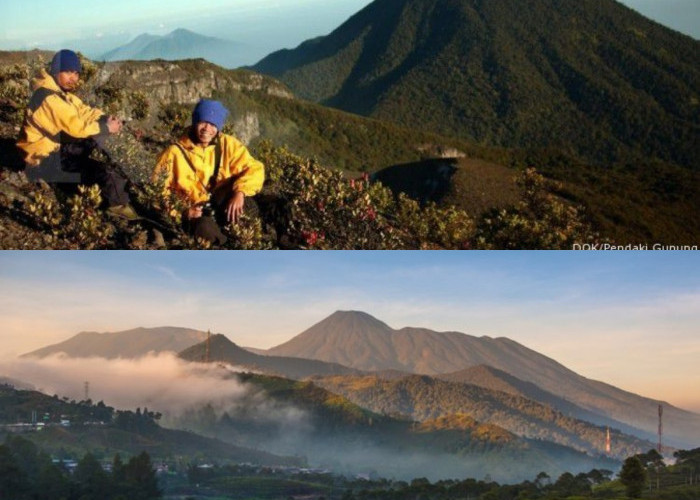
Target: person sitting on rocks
[
  {"x": 212, "y": 172},
  {"x": 60, "y": 132}
]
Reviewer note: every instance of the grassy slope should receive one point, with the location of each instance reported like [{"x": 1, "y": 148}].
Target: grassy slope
[{"x": 642, "y": 203}]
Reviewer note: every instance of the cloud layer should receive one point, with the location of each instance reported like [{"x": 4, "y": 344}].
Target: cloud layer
[{"x": 160, "y": 382}]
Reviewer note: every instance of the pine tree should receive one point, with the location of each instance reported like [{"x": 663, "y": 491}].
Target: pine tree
[
  {"x": 141, "y": 478},
  {"x": 91, "y": 478},
  {"x": 12, "y": 480},
  {"x": 634, "y": 476}
]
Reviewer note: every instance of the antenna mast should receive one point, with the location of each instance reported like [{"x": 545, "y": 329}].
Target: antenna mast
[
  {"x": 661, "y": 427},
  {"x": 206, "y": 359}
]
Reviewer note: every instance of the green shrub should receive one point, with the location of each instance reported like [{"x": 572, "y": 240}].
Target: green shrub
[
  {"x": 306, "y": 206},
  {"x": 325, "y": 210},
  {"x": 539, "y": 220},
  {"x": 174, "y": 118},
  {"x": 139, "y": 105},
  {"x": 86, "y": 225},
  {"x": 14, "y": 92},
  {"x": 112, "y": 97}
]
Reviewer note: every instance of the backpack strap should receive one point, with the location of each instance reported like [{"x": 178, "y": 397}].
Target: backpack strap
[
  {"x": 217, "y": 163},
  {"x": 35, "y": 102},
  {"x": 39, "y": 96}
]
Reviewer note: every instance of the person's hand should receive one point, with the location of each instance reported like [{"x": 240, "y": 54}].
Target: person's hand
[
  {"x": 194, "y": 212},
  {"x": 234, "y": 210},
  {"x": 114, "y": 125}
]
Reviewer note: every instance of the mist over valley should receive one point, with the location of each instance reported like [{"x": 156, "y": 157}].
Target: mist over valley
[{"x": 293, "y": 418}]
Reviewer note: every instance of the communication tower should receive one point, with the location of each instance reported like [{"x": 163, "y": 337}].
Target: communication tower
[
  {"x": 87, "y": 390},
  {"x": 607, "y": 440},
  {"x": 661, "y": 427},
  {"x": 206, "y": 357}
]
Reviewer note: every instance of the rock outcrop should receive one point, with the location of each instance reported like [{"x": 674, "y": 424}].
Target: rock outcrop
[{"x": 183, "y": 82}]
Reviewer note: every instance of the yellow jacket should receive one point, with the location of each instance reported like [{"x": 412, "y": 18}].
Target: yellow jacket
[
  {"x": 50, "y": 112},
  {"x": 247, "y": 173}
]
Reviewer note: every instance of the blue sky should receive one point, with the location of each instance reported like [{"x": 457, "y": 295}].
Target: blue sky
[
  {"x": 630, "y": 319},
  {"x": 262, "y": 25},
  {"x": 98, "y": 26}
]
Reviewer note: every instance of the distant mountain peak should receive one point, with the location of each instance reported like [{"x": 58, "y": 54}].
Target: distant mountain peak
[
  {"x": 222, "y": 350},
  {"x": 185, "y": 34},
  {"x": 180, "y": 43},
  {"x": 358, "y": 340},
  {"x": 352, "y": 314},
  {"x": 181, "y": 31},
  {"x": 146, "y": 36}
]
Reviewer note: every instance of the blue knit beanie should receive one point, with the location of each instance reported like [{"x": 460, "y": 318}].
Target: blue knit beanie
[
  {"x": 65, "y": 60},
  {"x": 210, "y": 111}
]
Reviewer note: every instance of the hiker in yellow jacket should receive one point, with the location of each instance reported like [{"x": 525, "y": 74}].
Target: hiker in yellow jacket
[
  {"x": 212, "y": 172},
  {"x": 60, "y": 132}
]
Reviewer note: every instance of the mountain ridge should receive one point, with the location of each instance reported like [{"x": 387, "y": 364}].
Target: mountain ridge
[
  {"x": 223, "y": 350},
  {"x": 351, "y": 342},
  {"x": 423, "y": 398},
  {"x": 127, "y": 344},
  {"x": 499, "y": 380},
  {"x": 383, "y": 443},
  {"x": 419, "y": 350}
]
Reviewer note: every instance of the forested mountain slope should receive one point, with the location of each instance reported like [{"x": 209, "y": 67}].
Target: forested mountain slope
[{"x": 590, "y": 77}]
